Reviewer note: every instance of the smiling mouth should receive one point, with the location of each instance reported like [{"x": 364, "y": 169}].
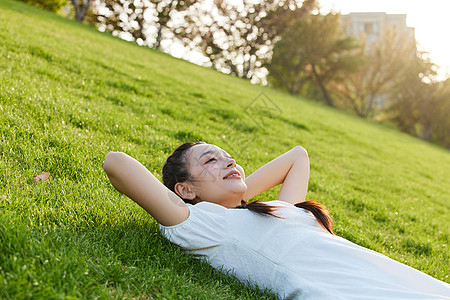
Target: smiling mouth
[{"x": 233, "y": 176}]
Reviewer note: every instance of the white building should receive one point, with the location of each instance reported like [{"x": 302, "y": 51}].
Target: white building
[{"x": 373, "y": 24}]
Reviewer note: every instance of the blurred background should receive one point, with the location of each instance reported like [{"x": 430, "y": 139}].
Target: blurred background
[{"x": 383, "y": 60}]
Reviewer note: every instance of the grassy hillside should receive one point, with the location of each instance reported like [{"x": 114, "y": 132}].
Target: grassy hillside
[{"x": 69, "y": 94}]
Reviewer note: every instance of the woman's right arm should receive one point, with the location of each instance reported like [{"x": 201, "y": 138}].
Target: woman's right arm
[{"x": 131, "y": 178}]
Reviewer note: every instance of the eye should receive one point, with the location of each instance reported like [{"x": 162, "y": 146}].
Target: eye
[{"x": 210, "y": 160}]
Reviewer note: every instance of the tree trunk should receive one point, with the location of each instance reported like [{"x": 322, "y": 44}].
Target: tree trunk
[
  {"x": 80, "y": 9},
  {"x": 158, "y": 37},
  {"x": 322, "y": 87}
]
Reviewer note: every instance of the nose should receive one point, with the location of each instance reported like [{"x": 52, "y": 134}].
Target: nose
[{"x": 231, "y": 163}]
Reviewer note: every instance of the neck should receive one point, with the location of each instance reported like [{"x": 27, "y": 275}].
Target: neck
[{"x": 230, "y": 202}]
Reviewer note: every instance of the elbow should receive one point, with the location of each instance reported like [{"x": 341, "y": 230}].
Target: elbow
[
  {"x": 300, "y": 151},
  {"x": 111, "y": 162}
]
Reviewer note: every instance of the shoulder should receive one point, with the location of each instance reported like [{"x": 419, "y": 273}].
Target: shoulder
[
  {"x": 200, "y": 212},
  {"x": 205, "y": 227}
]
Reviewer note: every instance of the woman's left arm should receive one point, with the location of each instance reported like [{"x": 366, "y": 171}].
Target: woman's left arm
[{"x": 290, "y": 169}]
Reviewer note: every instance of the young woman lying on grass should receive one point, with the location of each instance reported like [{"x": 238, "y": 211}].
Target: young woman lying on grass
[{"x": 286, "y": 245}]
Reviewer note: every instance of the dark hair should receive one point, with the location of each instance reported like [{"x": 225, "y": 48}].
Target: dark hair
[
  {"x": 318, "y": 210},
  {"x": 176, "y": 170}
]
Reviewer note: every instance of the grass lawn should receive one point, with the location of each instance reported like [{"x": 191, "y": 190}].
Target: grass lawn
[{"x": 69, "y": 94}]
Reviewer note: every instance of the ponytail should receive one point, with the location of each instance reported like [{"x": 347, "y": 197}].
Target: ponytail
[
  {"x": 318, "y": 210},
  {"x": 259, "y": 208}
]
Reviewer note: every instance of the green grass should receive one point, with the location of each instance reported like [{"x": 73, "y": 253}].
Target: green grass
[{"x": 69, "y": 94}]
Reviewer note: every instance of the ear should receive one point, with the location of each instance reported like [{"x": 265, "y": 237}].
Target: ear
[{"x": 184, "y": 190}]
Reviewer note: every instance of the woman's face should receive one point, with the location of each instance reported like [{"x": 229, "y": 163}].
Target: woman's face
[{"x": 215, "y": 176}]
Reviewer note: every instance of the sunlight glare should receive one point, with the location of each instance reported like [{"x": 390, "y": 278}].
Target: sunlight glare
[{"x": 429, "y": 18}]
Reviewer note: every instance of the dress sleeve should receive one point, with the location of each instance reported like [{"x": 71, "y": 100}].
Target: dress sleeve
[{"x": 202, "y": 230}]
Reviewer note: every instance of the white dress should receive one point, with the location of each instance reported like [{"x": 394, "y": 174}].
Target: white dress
[{"x": 295, "y": 257}]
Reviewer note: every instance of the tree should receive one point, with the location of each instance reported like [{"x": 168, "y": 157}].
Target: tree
[
  {"x": 419, "y": 104},
  {"x": 441, "y": 130},
  {"x": 384, "y": 62},
  {"x": 287, "y": 67},
  {"x": 50, "y": 5},
  {"x": 332, "y": 54},
  {"x": 314, "y": 49},
  {"x": 237, "y": 38},
  {"x": 81, "y": 8},
  {"x": 409, "y": 94},
  {"x": 143, "y": 21}
]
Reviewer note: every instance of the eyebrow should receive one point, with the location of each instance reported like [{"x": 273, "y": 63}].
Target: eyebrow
[
  {"x": 205, "y": 153},
  {"x": 212, "y": 151}
]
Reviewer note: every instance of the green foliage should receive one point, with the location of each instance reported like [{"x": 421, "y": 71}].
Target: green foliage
[
  {"x": 385, "y": 62},
  {"x": 385, "y": 79},
  {"x": 314, "y": 50},
  {"x": 69, "y": 97},
  {"x": 419, "y": 105},
  {"x": 237, "y": 39},
  {"x": 50, "y": 5},
  {"x": 287, "y": 67}
]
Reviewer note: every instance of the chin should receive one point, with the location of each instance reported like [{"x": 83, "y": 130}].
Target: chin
[{"x": 240, "y": 190}]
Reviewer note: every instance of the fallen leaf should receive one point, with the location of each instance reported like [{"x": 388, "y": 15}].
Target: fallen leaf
[{"x": 42, "y": 176}]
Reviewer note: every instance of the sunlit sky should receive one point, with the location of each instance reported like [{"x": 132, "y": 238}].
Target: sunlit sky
[{"x": 430, "y": 18}]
